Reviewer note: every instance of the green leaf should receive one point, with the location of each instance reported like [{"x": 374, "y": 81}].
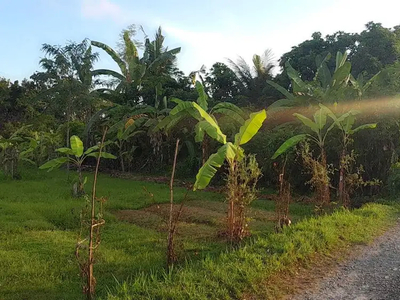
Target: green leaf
[
  {"x": 76, "y": 146},
  {"x": 320, "y": 118},
  {"x": 362, "y": 127},
  {"x": 250, "y": 127},
  {"x": 28, "y": 160},
  {"x": 213, "y": 130},
  {"x": 103, "y": 155},
  {"x": 202, "y": 100},
  {"x": 108, "y": 73},
  {"x": 230, "y": 113},
  {"x": 65, "y": 150},
  {"x": 54, "y": 163},
  {"x": 369, "y": 82},
  {"x": 289, "y": 143},
  {"x": 349, "y": 123},
  {"x": 227, "y": 105},
  {"x": 281, "y": 89},
  {"x": 215, "y": 161},
  {"x": 199, "y": 131},
  {"x": 114, "y": 55},
  {"x": 341, "y": 74},
  {"x": 298, "y": 84},
  {"x": 306, "y": 121}
]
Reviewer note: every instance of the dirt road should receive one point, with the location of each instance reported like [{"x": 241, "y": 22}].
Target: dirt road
[{"x": 374, "y": 273}]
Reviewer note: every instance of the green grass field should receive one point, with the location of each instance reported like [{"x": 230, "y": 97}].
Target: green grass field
[{"x": 39, "y": 224}]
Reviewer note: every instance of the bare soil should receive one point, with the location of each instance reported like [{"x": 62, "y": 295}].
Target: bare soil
[{"x": 198, "y": 220}]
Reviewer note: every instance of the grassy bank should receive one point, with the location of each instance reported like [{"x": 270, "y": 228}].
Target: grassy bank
[
  {"x": 39, "y": 224},
  {"x": 246, "y": 271}
]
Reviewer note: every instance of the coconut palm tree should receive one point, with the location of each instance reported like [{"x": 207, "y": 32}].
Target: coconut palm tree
[
  {"x": 253, "y": 77},
  {"x": 136, "y": 72}
]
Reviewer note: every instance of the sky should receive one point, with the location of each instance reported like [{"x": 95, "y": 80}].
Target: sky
[{"x": 207, "y": 31}]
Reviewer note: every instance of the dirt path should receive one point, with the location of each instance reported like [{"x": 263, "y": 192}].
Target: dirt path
[{"x": 374, "y": 273}]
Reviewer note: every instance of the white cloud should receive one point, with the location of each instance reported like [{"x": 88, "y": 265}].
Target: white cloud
[
  {"x": 207, "y": 47},
  {"x": 100, "y": 9}
]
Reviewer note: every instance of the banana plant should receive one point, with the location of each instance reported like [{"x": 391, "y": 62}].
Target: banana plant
[
  {"x": 232, "y": 153},
  {"x": 13, "y": 150},
  {"x": 345, "y": 124},
  {"x": 125, "y": 131},
  {"x": 360, "y": 85},
  {"x": 320, "y": 130},
  {"x": 76, "y": 155},
  {"x": 324, "y": 87},
  {"x": 226, "y": 109},
  {"x": 229, "y": 151}
]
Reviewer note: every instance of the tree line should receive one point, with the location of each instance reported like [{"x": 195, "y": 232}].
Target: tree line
[{"x": 345, "y": 79}]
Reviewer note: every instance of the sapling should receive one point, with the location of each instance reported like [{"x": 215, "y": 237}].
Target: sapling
[
  {"x": 76, "y": 156},
  {"x": 173, "y": 219},
  {"x": 91, "y": 220}
]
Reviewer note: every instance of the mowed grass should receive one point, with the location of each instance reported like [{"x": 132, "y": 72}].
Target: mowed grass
[{"x": 39, "y": 224}]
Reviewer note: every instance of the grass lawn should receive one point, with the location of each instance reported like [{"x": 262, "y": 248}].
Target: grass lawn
[{"x": 39, "y": 223}]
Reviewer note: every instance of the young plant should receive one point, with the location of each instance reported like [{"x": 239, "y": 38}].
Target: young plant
[
  {"x": 76, "y": 156},
  {"x": 320, "y": 131},
  {"x": 125, "y": 132},
  {"x": 345, "y": 124},
  {"x": 242, "y": 172},
  {"x": 283, "y": 200},
  {"x": 226, "y": 109},
  {"x": 173, "y": 218},
  {"x": 91, "y": 220},
  {"x": 13, "y": 150}
]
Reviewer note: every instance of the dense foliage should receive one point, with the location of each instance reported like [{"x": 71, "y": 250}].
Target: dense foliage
[{"x": 70, "y": 96}]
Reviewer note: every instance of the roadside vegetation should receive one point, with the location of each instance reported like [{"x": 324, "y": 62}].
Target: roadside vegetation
[{"x": 162, "y": 185}]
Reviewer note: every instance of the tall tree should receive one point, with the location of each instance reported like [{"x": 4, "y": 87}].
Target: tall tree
[
  {"x": 68, "y": 79},
  {"x": 253, "y": 78},
  {"x": 138, "y": 75}
]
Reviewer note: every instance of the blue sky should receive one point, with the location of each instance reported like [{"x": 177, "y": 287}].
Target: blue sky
[{"x": 208, "y": 30}]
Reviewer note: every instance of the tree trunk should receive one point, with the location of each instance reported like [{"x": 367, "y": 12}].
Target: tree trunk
[
  {"x": 325, "y": 197},
  {"x": 342, "y": 177},
  {"x": 121, "y": 161},
  {"x": 204, "y": 150},
  {"x": 231, "y": 199}
]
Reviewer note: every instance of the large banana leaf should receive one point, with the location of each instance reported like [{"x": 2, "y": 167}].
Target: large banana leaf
[
  {"x": 227, "y": 105},
  {"x": 202, "y": 100},
  {"x": 320, "y": 118},
  {"x": 76, "y": 145},
  {"x": 114, "y": 55},
  {"x": 103, "y": 155},
  {"x": 65, "y": 150},
  {"x": 341, "y": 74},
  {"x": 306, "y": 121},
  {"x": 340, "y": 59},
  {"x": 361, "y": 127},
  {"x": 199, "y": 131},
  {"x": 250, "y": 127},
  {"x": 216, "y": 132},
  {"x": 323, "y": 74},
  {"x": 54, "y": 163},
  {"x": 215, "y": 161},
  {"x": 231, "y": 113},
  {"x": 289, "y": 143},
  {"x": 108, "y": 73},
  {"x": 298, "y": 84},
  {"x": 281, "y": 89},
  {"x": 349, "y": 122}
]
